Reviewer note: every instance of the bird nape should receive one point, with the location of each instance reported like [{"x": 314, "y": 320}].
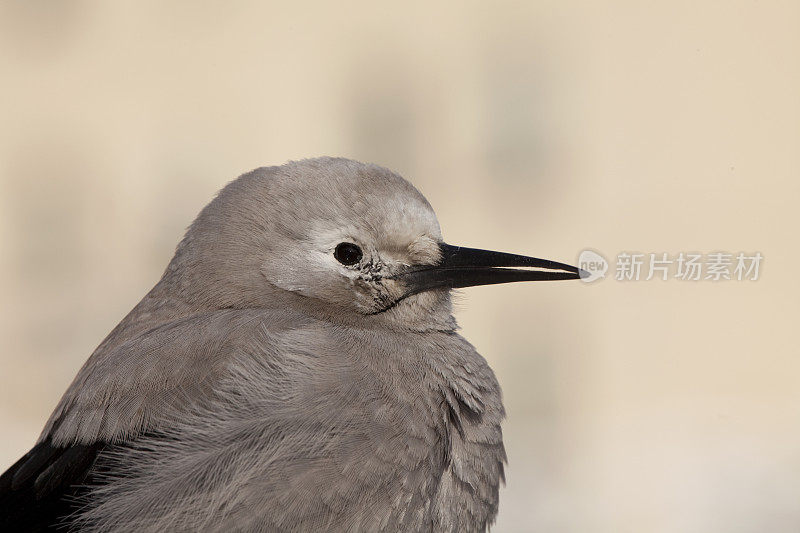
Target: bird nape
[{"x": 296, "y": 368}]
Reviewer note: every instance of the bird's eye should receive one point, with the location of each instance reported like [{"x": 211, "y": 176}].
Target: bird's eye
[{"x": 347, "y": 253}]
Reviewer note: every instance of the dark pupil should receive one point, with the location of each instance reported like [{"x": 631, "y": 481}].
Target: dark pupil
[{"x": 347, "y": 253}]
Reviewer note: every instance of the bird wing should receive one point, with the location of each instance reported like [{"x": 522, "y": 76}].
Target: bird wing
[
  {"x": 289, "y": 443},
  {"x": 43, "y": 485},
  {"x": 141, "y": 385}
]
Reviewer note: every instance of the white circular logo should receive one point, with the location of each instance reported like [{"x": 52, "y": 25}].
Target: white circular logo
[{"x": 593, "y": 264}]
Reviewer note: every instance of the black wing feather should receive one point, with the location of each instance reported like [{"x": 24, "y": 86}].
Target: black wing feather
[{"x": 42, "y": 488}]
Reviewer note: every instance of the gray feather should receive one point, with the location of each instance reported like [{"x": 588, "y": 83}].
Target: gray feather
[{"x": 255, "y": 388}]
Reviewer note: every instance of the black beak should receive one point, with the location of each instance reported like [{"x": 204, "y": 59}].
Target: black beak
[{"x": 467, "y": 267}]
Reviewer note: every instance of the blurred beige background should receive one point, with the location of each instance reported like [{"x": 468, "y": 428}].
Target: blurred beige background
[{"x": 541, "y": 128}]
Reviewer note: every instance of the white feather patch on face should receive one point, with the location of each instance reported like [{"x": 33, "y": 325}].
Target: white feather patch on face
[
  {"x": 424, "y": 250},
  {"x": 308, "y": 265}
]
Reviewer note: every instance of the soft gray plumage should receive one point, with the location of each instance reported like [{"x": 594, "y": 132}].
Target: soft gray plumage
[{"x": 262, "y": 385}]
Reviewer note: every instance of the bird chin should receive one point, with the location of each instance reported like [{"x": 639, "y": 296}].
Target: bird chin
[{"x": 425, "y": 311}]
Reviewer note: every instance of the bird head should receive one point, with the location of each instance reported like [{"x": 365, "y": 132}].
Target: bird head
[{"x": 349, "y": 237}]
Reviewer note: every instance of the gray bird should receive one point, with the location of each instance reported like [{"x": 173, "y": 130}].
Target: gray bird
[{"x": 296, "y": 368}]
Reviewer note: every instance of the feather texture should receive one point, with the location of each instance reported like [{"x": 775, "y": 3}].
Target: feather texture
[{"x": 254, "y": 388}]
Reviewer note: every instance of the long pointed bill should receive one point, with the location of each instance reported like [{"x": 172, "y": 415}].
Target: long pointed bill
[{"x": 467, "y": 267}]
